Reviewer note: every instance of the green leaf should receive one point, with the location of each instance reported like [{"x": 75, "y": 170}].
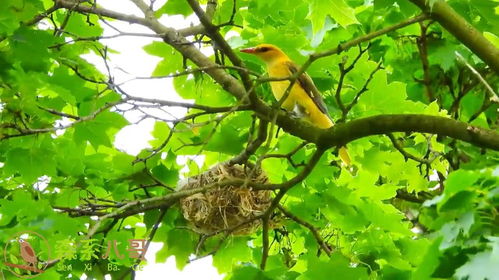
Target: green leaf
[
  {"x": 385, "y": 216},
  {"x": 338, "y": 10},
  {"x": 492, "y": 38},
  {"x": 456, "y": 192},
  {"x": 31, "y": 48},
  {"x": 174, "y": 7},
  {"x": 374, "y": 232},
  {"x": 383, "y": 97},
  {"x": 341, "y": 209},
  {"x": 63, "y": 82},
  {"x": 430, "y": 261},
  {"x": 8, "y": 22},
  {"x": 82, "y": 25},
  {"x": 31, "y": 164},
  {"x": 320, "y": 173},
  {"x": 165, "y": 175},
  {"x": 488, "y": 9},
  {"x": 68, "y": 198},
  {"x": 453, "y": 230},
  {"x": 443, "y": 54},
  {"x": 172, "y": 60},
  {"x": 235, "y": 251},
  {"x": 100, "y": 130},
  {"x": 248, "y": 273},
  {"x": 459, "y": 201},
  {"x": 180, "y": 244},
  {"x": 13, "y": 13},
  {"x": 480, "y": 266},
  {"x": 338, "y": 265},
  {"x": 229, "y": 132},
  {"x": 70, "y": 157},
  {"x": 383, "y": 4}
]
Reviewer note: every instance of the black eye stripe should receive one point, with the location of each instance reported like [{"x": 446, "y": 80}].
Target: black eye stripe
[{"x": 263, "y": 49}]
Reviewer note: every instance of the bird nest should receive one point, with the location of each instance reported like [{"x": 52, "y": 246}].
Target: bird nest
[{"x": 225, "y": 208}]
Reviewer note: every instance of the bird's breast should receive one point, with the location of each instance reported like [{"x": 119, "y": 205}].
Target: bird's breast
[{"x": 279, "y": 87}]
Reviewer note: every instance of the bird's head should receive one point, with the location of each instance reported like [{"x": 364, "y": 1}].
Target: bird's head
[{"x": 266, "y": 52}]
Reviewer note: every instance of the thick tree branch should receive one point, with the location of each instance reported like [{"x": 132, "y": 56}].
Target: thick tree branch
[
  {"x": 383, "y": 124},
  {"x": 84, "y": 8},
  {"x": 92, "y": 9},
  {"x": 463, "y": 30},
  {"x": 343, "y": 133}
]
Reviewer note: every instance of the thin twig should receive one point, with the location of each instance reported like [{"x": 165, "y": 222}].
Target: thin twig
[
  {"x": 289, "y": 156},
  {"x": 364, "y": 88},
  {"x": 315, "y": 232},
  {"x": 406, "y": 154},
  {"x": 275, "y": 202},
  {"x": 423, "y": 54},
  {"x": 30, "y": 131},
  {"x": 252, "y": 146},
  {"x": 343, "y": 72},
  {"x": 491, "y": 93},
  {"x": 43, "y": 15}
]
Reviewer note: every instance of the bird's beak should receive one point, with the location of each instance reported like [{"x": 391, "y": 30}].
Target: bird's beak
[{"x": 249, "y": 50}]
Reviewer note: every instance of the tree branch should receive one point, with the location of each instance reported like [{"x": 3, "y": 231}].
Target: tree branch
[
  {"x": 368, "y": 37},
  {"x": 422, "y": 44},
  {"x": 68, "y": 4},
  {"x": 289, "y": 156},
  {"x": 43, "y": 15},
  {"x": 383, "y": 124},
  {"x": 30, "y": 131},
  {"x": 252, "y": 146},
  {"x": 324, "y": 246},
  {"x": 360, "y": 92},
  {"x": 406, "y": 154},
  {"x": 221, "y": 43},
  {"x": 92, "y": 9},
  {"x": 284, "y": 187},
  {"x": 462, "y": 30}
]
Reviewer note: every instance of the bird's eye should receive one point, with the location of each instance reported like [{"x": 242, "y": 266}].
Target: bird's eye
[{"x": 263, "y": 49}]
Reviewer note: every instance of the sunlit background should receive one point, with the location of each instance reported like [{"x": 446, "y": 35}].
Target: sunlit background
[{"x": 129, "y": 62}]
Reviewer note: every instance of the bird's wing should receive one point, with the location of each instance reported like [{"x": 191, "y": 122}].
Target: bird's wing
[
  {"x": 308, "y": 85},
  {"x": 29, "y": 251}
]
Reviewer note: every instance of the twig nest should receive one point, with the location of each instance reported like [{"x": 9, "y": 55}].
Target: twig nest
[{"x": 225, "y": 208}]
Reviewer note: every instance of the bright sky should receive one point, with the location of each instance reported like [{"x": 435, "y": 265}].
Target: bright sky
[{"x": 132, "y": 61}]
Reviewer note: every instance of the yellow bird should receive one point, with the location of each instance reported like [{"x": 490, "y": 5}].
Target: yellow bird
[{"x": 304, "y": 96}]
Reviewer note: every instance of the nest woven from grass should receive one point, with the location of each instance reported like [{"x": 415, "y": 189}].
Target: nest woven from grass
[{"x": 225, "y": 207}]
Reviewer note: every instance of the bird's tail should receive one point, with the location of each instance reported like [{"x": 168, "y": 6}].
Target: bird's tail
[{"x": 343, "y": 153}]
